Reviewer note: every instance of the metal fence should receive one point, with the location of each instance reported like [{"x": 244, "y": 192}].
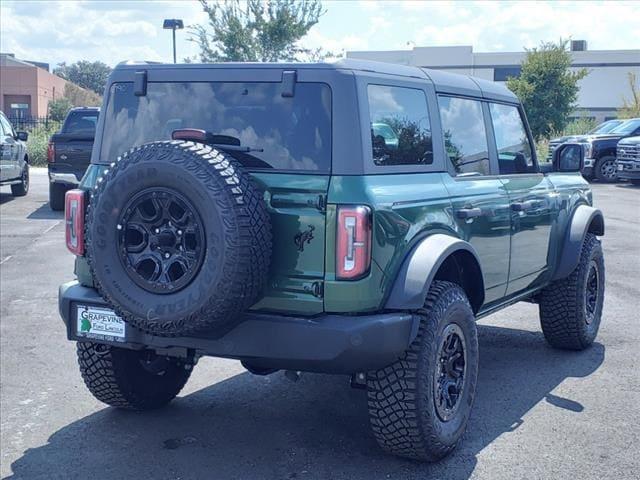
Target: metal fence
[{"x": 34, "y": 124}]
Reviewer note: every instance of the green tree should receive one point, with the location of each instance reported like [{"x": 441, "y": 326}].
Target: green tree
[
  {"x": 80, "y": 97},
  {"x": 547, "y": 87},
  {"x": 90, "y": 75},
  {"x": 257, "y": 30},
  {"x": 59, "y": 108},
  {"x": 631, "y": 108}
]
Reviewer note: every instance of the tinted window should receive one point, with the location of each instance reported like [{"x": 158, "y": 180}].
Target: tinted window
[
  {"x": 400, "y": 128},
  {"x": 6, "y": 126},
  {"x": 512, "y": 142},
  {"x": 465, "y": 136},
  {"x": 81, "y": 122},
  {"x": 502, "y": 74},
  {"x": 628, "y": 127},
  {"x": 288, "y": 133}
]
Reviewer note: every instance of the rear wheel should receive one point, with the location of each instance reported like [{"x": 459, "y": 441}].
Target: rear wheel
[
  {"x": 571, "y": 308},
  {"x": 57, "y": 192},
  {"x": 605, "y": 169},
  {"x": 419, "y": 405},
  {"x": 130, "y": 379},
  {"x": 22, "y": 188}
]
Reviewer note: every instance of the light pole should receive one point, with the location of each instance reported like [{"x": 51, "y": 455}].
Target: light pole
[{"x": 173, "y": 24}]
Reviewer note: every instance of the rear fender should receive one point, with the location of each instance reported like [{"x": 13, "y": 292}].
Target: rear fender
[{"x": 422, "y": 265}]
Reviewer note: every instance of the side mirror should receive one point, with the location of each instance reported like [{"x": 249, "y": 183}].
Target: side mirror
[
  {"x": 22, "y": 136},
  {"x": 568, "y": 157}
]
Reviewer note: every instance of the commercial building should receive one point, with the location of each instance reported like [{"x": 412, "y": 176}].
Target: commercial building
[
  {"x": 27, "y": 88},
  {"x": 601, "y": 91}
]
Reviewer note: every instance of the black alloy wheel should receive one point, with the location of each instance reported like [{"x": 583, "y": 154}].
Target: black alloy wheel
[
  {"x": 450, "y": 372},
  {"x": 591, "y": 292},
  {"x": 161, "y": 240}
]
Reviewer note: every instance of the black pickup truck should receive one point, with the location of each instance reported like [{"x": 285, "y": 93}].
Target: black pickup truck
[{"x": 69, "y": 153}]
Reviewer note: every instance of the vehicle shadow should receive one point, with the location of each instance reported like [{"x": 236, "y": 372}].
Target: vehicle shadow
[
  {"x": 44, "y": 212},
  {"x": 250, "y": 427},
  {"x": 628, "y": 185},
  {"x": 5, "y": 198}
]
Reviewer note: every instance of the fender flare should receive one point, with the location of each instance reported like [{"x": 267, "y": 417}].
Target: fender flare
[
  {"x": 420, "y": 267},
  {"x": 585, "y": 219}
]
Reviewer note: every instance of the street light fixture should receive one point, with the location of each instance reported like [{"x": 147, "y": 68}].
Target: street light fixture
[{"x": 173, "y": 24}]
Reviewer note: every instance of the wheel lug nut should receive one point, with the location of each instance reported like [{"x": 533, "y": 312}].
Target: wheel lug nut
[
  {"x": 167, "y": 255},
  {"x": 179, "y": 232},
  {"x": 157, "y": 230}
]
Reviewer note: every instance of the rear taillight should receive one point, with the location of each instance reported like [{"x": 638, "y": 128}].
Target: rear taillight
[
  {"x": 51, "y": 152},
  {"x": 353, "y": 242},
  {"x": 74, "y": 202}
]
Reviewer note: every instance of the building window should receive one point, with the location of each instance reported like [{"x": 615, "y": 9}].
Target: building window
[{"x": 501, "y": 74}]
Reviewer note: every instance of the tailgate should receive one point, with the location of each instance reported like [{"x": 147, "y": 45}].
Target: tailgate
[
  {"x": 72, "y": 155},
  {"x": 296, "y": 207}
]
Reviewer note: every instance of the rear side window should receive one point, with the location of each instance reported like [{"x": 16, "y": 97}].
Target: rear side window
[
  {"x": 79, "y": 122},
  {"x": 282, "y": 133},
  {"x": 465, "y": 136},
  {"x": 514, "y": 150},
  {"x": 400, "y": 128}
]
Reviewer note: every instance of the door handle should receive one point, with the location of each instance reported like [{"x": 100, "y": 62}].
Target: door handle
[
  {"x": 525, "y": 206},
  {"x": 466, "y": 213}
]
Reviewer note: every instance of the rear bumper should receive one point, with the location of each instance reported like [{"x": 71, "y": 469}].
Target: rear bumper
[
  {"x": 65, "y": 174},
  {"x": 326, "y": 343}
]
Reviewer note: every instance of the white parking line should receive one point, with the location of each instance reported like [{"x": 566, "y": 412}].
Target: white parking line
[
  {"x": 51, "y": 228},
  {"x": 5, "y": 259}
]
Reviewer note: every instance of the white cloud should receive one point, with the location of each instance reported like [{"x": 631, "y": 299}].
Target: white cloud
[{"x": 112, "y": 31}]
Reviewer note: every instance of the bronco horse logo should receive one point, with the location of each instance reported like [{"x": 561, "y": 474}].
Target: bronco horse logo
[{"x": 304, "y": 237}]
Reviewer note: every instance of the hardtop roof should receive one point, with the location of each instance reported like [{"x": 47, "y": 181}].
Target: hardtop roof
[{"x": 444, "y": 82}]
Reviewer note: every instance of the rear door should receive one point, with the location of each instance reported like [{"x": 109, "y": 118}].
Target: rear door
[
  {"x": 533, "y": 205},
  {"x": 478, "y": 197},
  {"x": 9, "y": 146}
]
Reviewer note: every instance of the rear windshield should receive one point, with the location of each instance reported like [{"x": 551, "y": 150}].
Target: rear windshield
[
  {"x": 81, "y": 122},
  {"x": 287, "y": 133}
]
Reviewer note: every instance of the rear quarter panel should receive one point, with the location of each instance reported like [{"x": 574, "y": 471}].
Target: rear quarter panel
[{"x": 406, "y": 208}]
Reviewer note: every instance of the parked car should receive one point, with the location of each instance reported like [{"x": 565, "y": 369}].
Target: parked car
[
  {"x": 604, "y": 127},
  {"x": 69, "y": 153},
  {"x": 242, "y": 211},
  {"x": 600, "y": 156},
  {"x": 14, "y": 160},
  {"x": 628, "y": 159}
]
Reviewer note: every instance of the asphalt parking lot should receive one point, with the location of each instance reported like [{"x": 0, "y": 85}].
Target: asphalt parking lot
[{"x": 539, "y": 413}]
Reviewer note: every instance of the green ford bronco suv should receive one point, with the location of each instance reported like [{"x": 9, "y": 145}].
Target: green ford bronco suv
[{"x": 352, "y": 218}]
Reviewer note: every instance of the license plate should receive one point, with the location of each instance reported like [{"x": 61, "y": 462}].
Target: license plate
[{"x": 99, "y": 323}]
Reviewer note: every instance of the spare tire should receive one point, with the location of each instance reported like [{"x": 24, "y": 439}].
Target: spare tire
[{"x": 178, "y": 238}]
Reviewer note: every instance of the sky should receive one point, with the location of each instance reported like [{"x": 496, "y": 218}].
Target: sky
[{"x": 113, "y": 31}]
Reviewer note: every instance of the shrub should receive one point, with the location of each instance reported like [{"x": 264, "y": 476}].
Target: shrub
[{"x": 38, "y": 142}]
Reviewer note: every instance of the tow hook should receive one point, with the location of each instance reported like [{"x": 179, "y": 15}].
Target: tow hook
[{"x": 359, "y": 380}]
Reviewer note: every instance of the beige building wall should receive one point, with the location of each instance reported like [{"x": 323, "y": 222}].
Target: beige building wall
[{"x": 39, "y": 85}]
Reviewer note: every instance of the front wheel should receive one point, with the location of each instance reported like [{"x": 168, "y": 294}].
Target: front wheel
[
  {"x": 419, "y": 406},
  {"x": 22, "y": 188},
  {"x": 131, "y": 379},
  {"x": 605, "y": 169},
  {"x": 571, "y": 308}
]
